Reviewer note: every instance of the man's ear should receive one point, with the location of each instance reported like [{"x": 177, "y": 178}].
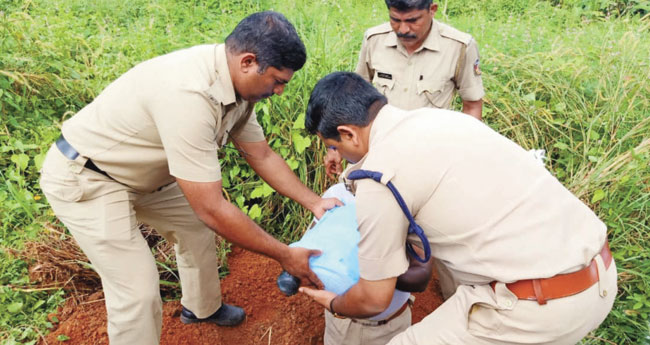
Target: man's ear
[
  {"x": 248, "y": 62},
  {"x": 433, "y": 9},
  {"x": 349, "y": 133}
]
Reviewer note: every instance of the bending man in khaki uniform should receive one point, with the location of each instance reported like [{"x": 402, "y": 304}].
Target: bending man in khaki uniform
[
  {"x": 416, "y": 62},
  {"x": 146, "y": 150},
  {"x": 532, "y": 261},
  {"x": 378, "y": 329}
]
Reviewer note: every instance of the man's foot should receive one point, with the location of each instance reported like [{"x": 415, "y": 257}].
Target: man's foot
[{"x": 227, "y": 315}]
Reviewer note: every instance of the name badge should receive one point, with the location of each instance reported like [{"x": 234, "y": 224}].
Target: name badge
[{"x": 385, "y": 75}]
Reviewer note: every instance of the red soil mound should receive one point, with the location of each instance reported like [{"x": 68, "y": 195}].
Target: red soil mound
[{"x": 272, "y": 318}]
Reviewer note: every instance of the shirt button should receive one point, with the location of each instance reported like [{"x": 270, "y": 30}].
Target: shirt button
[
  {"x": 508, "y": 303},
  {"x": 406, "y": 89}
]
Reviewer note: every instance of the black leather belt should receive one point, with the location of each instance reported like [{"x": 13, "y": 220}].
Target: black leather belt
[{"x": 72, "y": 154}]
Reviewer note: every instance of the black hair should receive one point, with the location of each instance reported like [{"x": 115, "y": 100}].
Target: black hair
[
  {"x": 272, "y": 38},
  {"x": 341, "y": 98},
  {"x": 407, "y": 5}
]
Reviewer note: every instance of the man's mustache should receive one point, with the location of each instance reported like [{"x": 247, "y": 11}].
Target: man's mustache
[{"x": 406, "y": 35}]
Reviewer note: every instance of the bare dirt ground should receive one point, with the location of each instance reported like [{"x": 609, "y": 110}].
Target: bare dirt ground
[{"x": 272, "y": 318}]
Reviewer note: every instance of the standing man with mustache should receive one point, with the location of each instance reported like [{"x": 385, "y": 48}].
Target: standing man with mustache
[
  {"x": 416, "y": 61},
  {"x": 146, "y": 150}
]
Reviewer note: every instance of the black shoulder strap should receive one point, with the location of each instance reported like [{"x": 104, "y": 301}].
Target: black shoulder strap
[{"x": 413, "y": 227}]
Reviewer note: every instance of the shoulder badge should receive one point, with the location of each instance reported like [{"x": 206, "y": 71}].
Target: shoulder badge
[
  {"x": 453, "y": 33},
  {"x": 379, "y": 29},
  {"x": 477, "y": 70}
]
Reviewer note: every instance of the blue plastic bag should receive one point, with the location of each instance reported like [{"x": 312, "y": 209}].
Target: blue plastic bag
[{"x": 337, "y": 236}]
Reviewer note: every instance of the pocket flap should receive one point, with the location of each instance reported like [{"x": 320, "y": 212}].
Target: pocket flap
[
  {"x": 433, "y": 87},
  {"x": 382, "y": 81}
]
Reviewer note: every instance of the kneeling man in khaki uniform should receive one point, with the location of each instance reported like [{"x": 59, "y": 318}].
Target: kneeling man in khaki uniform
[
  {"x": 532, "y": 261},
  {"x": 146, "y": 150}
]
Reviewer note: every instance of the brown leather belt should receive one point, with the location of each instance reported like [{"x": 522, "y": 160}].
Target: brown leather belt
[
  {"x": 561, "y": 285},
  {"x": 373, "y": 323}
]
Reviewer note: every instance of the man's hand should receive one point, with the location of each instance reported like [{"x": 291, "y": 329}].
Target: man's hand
[
  {"x": 296, "y": 262},
  {"x": 417, "y": 277},
  {"x": 323, "y": 205},
  {"x": 275, "y": 171},
  {"x": 332, "y": 163},
  {"x": 321, "y": 297}
]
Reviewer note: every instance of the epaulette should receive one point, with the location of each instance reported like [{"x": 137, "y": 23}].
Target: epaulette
[
  {"x": 453, "y": 33},
  {"x": 379, "y": 29}
]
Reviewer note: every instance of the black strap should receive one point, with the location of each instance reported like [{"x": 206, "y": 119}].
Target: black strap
[
  {"x": 69, "y": 152},
  {"x": 66, "y": 148},
  {"x": 413, "y": 227}
]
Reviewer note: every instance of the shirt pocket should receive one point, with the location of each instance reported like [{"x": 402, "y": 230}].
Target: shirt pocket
[
  {"x": 433, "y": 91},
  {"x": 383, "y": 84}
]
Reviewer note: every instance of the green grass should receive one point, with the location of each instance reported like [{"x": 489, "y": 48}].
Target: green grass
[{"x": 571, "y": 77}]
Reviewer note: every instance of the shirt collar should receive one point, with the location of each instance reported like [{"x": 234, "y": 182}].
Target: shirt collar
[
  {"x": 385, "y": 119},
  {"x": 224, "y": 81}
]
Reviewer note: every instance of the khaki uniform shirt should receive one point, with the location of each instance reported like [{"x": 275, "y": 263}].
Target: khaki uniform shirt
[
  {"x": 165, "y": 118},
  {"x": 490, "y": 211},
  {"x": 428, "y": 77}
]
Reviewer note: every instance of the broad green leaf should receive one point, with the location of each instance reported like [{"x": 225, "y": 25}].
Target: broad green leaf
[
  {"x": 300, "y": 122},
  {"x": 38, "y": 160},
  {"x": 255, "y": 212},
  {"x": 19, "y": 145},
  {"x": 293, "y": 164},
  {"x": 638, "y": 306},
  {"x": 300, "y": 143},
  {"x": 15, "y": 307},
  {"x": 235, "y": 171},
  {"x": 561, "y": 145},
  {"x": 38, "y": 304},
  {"x": 262, "y": 191},
  {"x": 599, "y": 194},
  {"x": 21, "y": 161},
  {"x": 62, "y": 337},
  {"x": 240, "y": 201}
]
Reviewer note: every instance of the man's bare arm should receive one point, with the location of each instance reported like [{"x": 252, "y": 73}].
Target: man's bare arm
[
  {"x": 417, "y": 277},
  {"x": 365, "y": 299},
  {"x": 275, "y": 171},
  {"x": 230, "y": 222}
]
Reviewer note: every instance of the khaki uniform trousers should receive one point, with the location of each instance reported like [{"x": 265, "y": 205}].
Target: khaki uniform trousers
[
  {"x": 480, "y": 315},
  {"x": 345, "y": 332},
  {"x": 103, "y": 216}
]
